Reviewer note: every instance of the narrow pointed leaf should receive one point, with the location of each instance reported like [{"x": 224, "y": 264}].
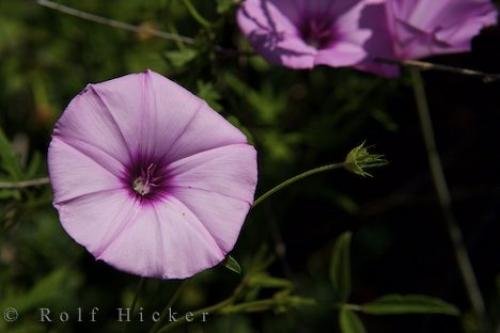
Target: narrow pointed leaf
[
  {"x": 224, "y": 6},
  {"x": 405, "y": 304},
  {"x": 180, "y": 58},
  {"x": 9, "y": 160},
  {"x": 350, "y": 322},
  {"x": 233, "y": 265},
  {"x": 340, "y": 267},
  {"x": 266, "y": 281}
]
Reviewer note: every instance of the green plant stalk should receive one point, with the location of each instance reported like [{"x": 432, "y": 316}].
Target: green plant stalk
[
  {"x": 296, "y": 178},
  {"x": 324, "y": 168},
  {"x": 194, "y": 13},
  {"x": 170, "y": 303},
  {"x": 138, "y": 290},
  {"x": 444, "y": 197},
  {"x": 260, "y": 305},
  {"x": 210, "y": 309},
  {"x": 226, "y": 307},
  {"x": 349, "y": 306},
  {"x": 25, "y": 183}
]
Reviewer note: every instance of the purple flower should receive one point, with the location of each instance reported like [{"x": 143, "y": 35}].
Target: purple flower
[
  {"x": 305, "y": 33},
  {"x": 420, "y": 28},
  {"x": 150, "y": 179}
]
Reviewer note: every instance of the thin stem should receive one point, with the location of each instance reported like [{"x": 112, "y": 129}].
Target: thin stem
[
  {"x": 195, "y": 14},
  {"x": 280, "y": 246},
  {"x": 423, "y": 65},
  {"x": 136, "y": 295},
  {"x": 265, "y": 304},
  {"x": 138, "y": 290},
  {"x": 209, "y": 309},
  {"x": 198, "y": 313},
  {"x": 114, "y": 23},
  {"x": 169, "y": 305},
  {"x": 444, "y": 197},
  {"x": 296, "y": 178},
  {"x": 349, "y": 306},
  {"x": 25, "y": 183},
  {"x": 134, "y": 28}
]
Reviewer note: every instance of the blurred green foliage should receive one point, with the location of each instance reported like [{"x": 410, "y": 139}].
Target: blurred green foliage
[{"x": 296, "y": 119}]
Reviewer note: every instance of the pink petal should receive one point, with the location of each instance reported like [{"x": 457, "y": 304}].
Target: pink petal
[
  {"x": 95, "y": 220},
  {"x": 269, "y": 16},
  {"x": 74, "y": 174},
  {"x": 222, "y": 215},
  {"x": 340, "y": 54},
  {"x": 273, "y": 34},
  {"x": 167, "y": 240},
  {"x": 150, "y": 110},
  {"x": 380, "y": 44},
  {"x": 423, "y": 28},
  {"x": 229, "y": 170},
  {"x": 90, "y": 126},
  {"x": 199, "y": 135}
]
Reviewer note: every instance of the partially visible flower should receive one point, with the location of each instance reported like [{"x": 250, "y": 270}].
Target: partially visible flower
[
  {"x": 421, "y": 28},
  {"x": 301, "y": 34},
  {"x": 150, "y": 179}
]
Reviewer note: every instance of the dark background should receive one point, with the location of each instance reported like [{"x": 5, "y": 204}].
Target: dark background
[{"x": 297, "y": 120}]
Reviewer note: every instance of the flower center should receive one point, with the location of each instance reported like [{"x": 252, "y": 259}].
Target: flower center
[
  {"x": 317, "y": 32},
  {"x": 148, "y": 180}
]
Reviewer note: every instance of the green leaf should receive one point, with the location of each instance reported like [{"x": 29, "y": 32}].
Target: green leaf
[
  {"x": 350, "y": 322},
  {"x": 34, "y": 166},
  {"x": 195, "y": 14},
  {"x": 10, "y": 193},
  {"x": 405, "y": 304},
  {"x": 180, "y": 58},
  {"x": 268, "y": 103},
  {"x": 57, "y": 289},
  {"x": 340, "y": 267},
  {"x": 224, "y": 6},
  {"x": 237, "y": 123},
  {"x": 9, "y": 160},
  {"x": 207, "y": 92},
  {"x": 231, "y": 264}
]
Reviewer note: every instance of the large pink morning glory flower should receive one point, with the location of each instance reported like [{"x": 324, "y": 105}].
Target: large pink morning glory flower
[
  {"x": 420, "y": 28},
  {"x": 148, "y": 178},
  {"x": 304, "y": 33}
]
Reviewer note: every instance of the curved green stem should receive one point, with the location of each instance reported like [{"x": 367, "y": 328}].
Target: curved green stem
[
  {"x": 198, "y": 313},
  {"x": 25, "y": 183},
  {"x": 113, "y": 23},
  {"x": 194, "y": 13},
  {"x": 169, "y": 305},
  {"x": 227, "y": 306},
  {"x": 444, "y": 197},
  {"x": 296, "y": 178},
  {"x": 209, "y": 309},
  {"x": 136, "y": 295},
  {"x": 264, "y": 304}
]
